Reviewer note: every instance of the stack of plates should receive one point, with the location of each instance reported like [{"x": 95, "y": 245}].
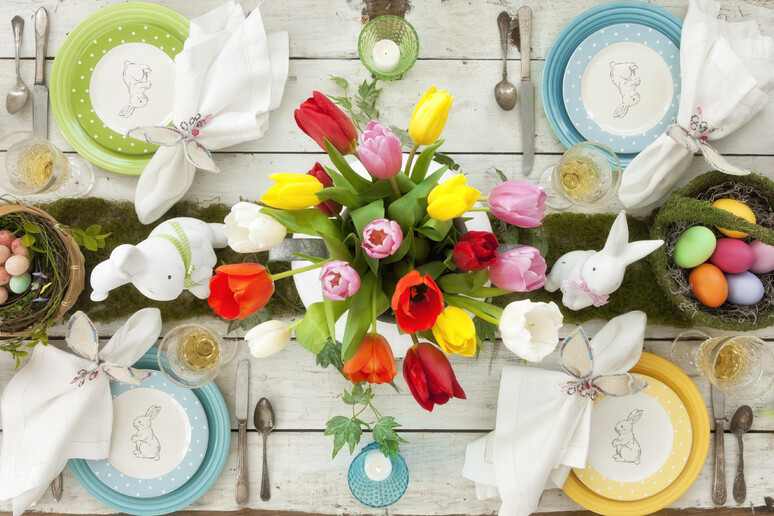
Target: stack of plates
[
  {"x": 646, "y": 449},
  {"x": 114, "y": 72},
  {"x": 613, "y": 76},
  {"x": 168, "y": 446}
]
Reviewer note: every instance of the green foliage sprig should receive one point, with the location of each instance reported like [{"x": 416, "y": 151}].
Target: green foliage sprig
[
  {"x": 90, "y": 238},
  {"x": 362, "y": 109}
]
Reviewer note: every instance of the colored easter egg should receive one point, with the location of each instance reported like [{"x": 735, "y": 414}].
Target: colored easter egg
[
  {"x": 744, "y": 288},
  {"x": 694, "y": 246},
  {"x": 3, "y": 295},
  {"x": 4, "y": 276},
  {"x": 17, "y": 265},
  {"x": 764, "y": 257},
  {"x": 5, "y": 252},
  {"x": 708, "y": 285},
  {"x": 18, "y": 248},
  {"x": 737, "y": 208},
  {"x": 19, "y": 284},
  {"x": 732, "y": 255},
  {"x": 6, "y": 237}
]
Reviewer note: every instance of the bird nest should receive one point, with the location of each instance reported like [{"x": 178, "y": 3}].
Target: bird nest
[{"x": 690, "y": 206}]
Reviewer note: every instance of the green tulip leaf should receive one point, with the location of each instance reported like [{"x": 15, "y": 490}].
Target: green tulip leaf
[
  {"x": 338, "y": 180},
  {"x": 357, "y": 182},
  {"x": 434, "y": 269},
  {"x": 337, "y": 249},
  {"x": 360, "y": 319},
  {"x": 475, "y": 306},
  {"x": 313, "y": 331},
  {"x": 381, "y": 189},
  {"x": 308, "y": 222},
  {"x": 408, "y": 242},
  {"x": 339, "y": 194},
  {"x": 407, "y": 210},
  {"x": 489, "y": 292},
  {"x": 464, "y": 283},
  {"x": 404, "y": 183},
  {"x": 419, "y": 171},
  {"x": 435, "y": 229}
]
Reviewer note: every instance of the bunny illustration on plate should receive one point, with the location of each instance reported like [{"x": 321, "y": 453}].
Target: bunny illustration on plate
[
  {"x": 136, "y": 80},
  {"x": 624, "y": 77},
  {"x": 146, "y": 444},
  {"x": 588, "y": 277},
  {"x": 627, "y": 448}
]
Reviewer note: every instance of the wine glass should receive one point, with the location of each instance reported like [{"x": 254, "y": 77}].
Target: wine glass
[
  {"x": 191, "y": 355},
  {"x": 33, "y": 165},
  {"x": 741, "y": 366},
  {"x": 588, "y": 174}
]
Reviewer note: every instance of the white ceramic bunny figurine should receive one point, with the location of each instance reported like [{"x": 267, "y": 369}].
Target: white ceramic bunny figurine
[
  {"x": 588, "y": 277},
  {"x": 627, "y": 448},
  {"x": 178, "y": 255},
  {"x": 146, "y": 444}
]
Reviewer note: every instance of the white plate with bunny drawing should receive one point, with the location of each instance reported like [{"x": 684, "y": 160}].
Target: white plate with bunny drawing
[
  {"x": 639, "y": 445},
  {"x": 160, "y": 437}
]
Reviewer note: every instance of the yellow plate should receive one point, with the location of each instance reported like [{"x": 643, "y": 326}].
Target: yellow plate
[
  {"x": 675, "y": 379},
  {"x": 655, "y": 448}
]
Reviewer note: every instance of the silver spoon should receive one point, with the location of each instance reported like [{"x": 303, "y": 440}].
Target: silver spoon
[
  {"x": 17, "y": 96},
  {"x": 505, "y": 92},
  {"x": 264, "y": 423},
  {"x": 740, "y": 425}
]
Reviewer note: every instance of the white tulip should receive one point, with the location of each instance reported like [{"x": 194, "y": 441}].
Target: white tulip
[
  {"x": 267, "y": 338},
  {"x": 250, "y": 231},
  {"x": 531, "y": 330}
]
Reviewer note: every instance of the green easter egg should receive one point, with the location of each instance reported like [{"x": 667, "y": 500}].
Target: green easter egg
[
  {"x": 21, "y": 283},
  {"x": 694, "y": 246}
]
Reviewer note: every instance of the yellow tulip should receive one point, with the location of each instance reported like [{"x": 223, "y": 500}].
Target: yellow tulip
[
  {"x": 455, "y": 332},
  {"x": 451, "y": 198},
  {"x": 429, "y": 116},
  {"x": 292, "y": 192}
]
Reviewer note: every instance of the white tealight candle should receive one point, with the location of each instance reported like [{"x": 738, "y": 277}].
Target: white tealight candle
[
  {"x": 386, "y": 55},
  {"x": 377, "y": 466}
]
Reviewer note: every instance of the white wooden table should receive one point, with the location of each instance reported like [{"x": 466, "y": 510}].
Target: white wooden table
[{"x": 459, "y": 51}]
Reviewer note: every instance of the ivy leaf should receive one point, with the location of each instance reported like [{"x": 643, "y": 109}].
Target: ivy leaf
[
  {"x": 341, "y": 82},
  {"x": 31, "y": 227},
  {"x": 484, "y": 330},
  {"x": 358, "y": 396},
  {"x": 343, "y": 430},
  {"x": 90, "y": 243},
  {"x": 259, "y": 317},
  {"x": 388, "y": 439},
  {"x": 444, "y": 159},
  {"x": 28, "y": 240},
  {"x": 93, "y": 230},
  {"x": 368, "y": 91},
  {"x": 402, "y": 135},
  {"x": 330, "y": 355},
  {"x": 500, "y": 174}
]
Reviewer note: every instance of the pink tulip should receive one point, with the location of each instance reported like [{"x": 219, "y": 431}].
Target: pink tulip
[
  {"x": 381, "y": 238},
  {"x": 339, "y": 280},
  {"x": 380, "y": 151},
  {"x": 518, "y": 203},
  {"x": 521, "y": 270}
]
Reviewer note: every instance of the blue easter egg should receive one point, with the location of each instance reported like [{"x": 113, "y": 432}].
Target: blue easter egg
[
  {"x": 20, "y": 283},
  {"x": 744, "y": 288}
]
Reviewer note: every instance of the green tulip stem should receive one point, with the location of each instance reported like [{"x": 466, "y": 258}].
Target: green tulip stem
[
  {"x": 395, "y": 188},
  {"x": 329, "y": 317},
  {"x": 410, "y": 160},
  {"x": 415, "y": 338},
  {"x": 485, "y": 317},
  {"x": 483, "y": 198},
  {"x": 295, "y": 324},
  {"x": 373, "y": 309},
  {"x": 286, "y": 274},
  {"x": 479, "y": 208}
]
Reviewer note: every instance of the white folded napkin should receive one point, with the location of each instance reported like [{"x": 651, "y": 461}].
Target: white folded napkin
[
  {"x": 544, "y": 417},
  {"x": 58, "y": 406},
  {"x": 228, "y": 77},
  {"x": 726, "y": 70}
]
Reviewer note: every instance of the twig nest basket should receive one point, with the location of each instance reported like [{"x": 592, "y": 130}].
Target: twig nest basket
[
  {"x": 691, "y": 206},
  {"x": 59, "y": 274}
]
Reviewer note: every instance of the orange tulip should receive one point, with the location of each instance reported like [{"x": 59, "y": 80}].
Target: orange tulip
[
  {"x": 373, "y": 362},
  {"x": 240, "y": 289}
]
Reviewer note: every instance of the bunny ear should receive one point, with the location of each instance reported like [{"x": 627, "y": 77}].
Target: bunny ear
[
  {"x": 621, "y": 384},
  {"x": 157, "y": 135},
  {"x": 82, "y": 336},
  {"x": 125, "y": 374},
  {"x": 153, "y": 411},
  {"x": 635, "y": 415},
  {"x": 638, "y": 250},
  {"x": 618, "y": 237},
  {"x": 575, "y": 355},
  {"x": 200, "y": 156}
]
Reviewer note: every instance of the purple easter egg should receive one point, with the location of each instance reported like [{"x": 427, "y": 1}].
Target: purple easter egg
[
  {"x": 764, "y": 257},
  {"x": 732, "y": 255},
  {"x": 744, "y": 288}
]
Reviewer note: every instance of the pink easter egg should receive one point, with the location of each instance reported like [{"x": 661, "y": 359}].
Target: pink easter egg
[
  {"x": 17, "y": 265},
  {"x": 6, "y": 237},
  {"x": 732, "y": 255},
  {"x": 3, "y": 295},
  {"x": 5, "y": 252},
  {"x": 4, "y": 276},
  {"x": 18, "y": 248},
  {"x": 764, "y": 257}
]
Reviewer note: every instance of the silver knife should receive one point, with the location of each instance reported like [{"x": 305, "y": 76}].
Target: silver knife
[
  {"x": 240, "y": 409},
  {"x": 39, "y": 90},
  {"x": 719, "y": 414},
  {"x": 527, "y": 92}
]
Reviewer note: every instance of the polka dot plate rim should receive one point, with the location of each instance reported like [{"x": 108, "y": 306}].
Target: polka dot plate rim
[
  {"x": 196, "y": 440},
  {"x": 676, "y": 452},
  {"x": 60, "y": 91}
]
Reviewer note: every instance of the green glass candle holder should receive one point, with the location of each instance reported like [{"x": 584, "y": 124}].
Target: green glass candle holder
[{"x": 390, "y": 29}]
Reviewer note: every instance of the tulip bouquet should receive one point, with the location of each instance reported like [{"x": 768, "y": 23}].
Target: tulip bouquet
[{"x": 395, "y": 250}]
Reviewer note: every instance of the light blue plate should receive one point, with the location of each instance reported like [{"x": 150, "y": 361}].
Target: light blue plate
[
  {"x": 621, "y": 86},
  {"x": 209, "y": 471},
  {"x": 573, "y": 36},
  {"x": 153, "y": 456}
]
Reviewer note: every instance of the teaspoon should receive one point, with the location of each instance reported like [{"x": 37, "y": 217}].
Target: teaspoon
[
  {"x": 17, "y": 96},
  {"x": 740, "y": 425},
  {"x": 505, "y": 92},
  {"x": 264, "y": 423}
]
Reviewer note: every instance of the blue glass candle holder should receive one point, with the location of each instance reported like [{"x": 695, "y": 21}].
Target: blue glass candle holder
[{"x": 381, "y": 493}]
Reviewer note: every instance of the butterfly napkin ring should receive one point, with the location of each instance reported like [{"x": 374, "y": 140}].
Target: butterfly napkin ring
[
  {"x": 83, "y": 340},
  {"x": 577, "y": 360},
  {"x": 184, "y": 135}
]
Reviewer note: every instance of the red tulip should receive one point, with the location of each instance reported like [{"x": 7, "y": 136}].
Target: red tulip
[
  {"x": 319, "y": 117},
  {"x": 373, "y": 362},
  {"x": 417, "y": 302},
  {"x": 476, "y": 250},
  {"x": 239, "y": 290},
  {"x": 330, "y": 207},
  {"x": 430, "y": 377}
]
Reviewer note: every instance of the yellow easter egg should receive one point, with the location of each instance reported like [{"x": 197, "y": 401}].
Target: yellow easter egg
[{"x": 737, "y": 208}]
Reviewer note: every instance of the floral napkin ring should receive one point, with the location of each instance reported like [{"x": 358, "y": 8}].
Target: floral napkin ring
[{"x": 185, "y": 134}]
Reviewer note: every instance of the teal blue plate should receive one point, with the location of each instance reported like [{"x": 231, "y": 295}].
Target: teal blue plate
[
  {"x": 573, "y": 35},
  {"x": 212, "y": 465}
]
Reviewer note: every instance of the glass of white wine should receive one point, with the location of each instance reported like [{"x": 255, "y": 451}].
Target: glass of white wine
[
  {"x": 191, "y": 355},
  {"x": 33, "y": 165},
  {"x": 741, "y": 366},
  {"x": 588, "y": 174}
]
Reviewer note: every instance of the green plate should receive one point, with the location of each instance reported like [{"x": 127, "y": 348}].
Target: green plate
[{"x": 115, "y": 71}]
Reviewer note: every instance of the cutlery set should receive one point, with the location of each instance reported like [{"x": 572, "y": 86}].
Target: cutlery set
[
  {"x": 17, "y": 96},
  {"x": 740, "y": 424}
]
